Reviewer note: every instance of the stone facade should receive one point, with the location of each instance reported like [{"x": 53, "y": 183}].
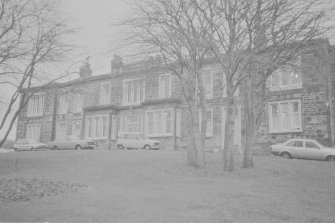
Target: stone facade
[{"x": 316, "y": 96}]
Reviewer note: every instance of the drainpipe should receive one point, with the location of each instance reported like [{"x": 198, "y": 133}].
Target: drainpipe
[
  {"x": 175, "y": 129},
  {"x": 329, "y": 104},
  {"x": 54, "y": 116}
]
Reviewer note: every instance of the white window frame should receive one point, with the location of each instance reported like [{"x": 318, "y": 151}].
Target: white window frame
[
  {"x": 211, "y": 73},
  {"x": 77, "y": 103},
  {"x": 30, "y": 131},
  {"x": 36, "y": 105},
  {"x": 162, "y": 93},
  {"x": 97, "y": 126},
  {"x": 290, "y": 71},
  {"x": 124, "y": 124},
  {"x": 105, "y": 96},
  {"x": 280, "y": 128},
  {"x": 128, "y": 85},
  {"x": 163, "y": 121},
  {"x": 63, "y": 104},
  {"x": 209, "y": 129}
]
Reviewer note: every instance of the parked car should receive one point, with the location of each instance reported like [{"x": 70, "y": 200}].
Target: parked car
[
  {"x": 136, "y": 142},
  {"x": 28, "y": 144},
  {"x": 303, "y": 149},
  {"x": 71, "y": 143}
]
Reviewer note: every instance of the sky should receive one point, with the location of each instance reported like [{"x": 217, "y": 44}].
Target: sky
[{"x": 95, "y": 34}]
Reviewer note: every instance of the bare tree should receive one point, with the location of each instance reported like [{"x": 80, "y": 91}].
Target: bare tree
[
  {"x": 178, "y": 32},
  {"x": 251, "y": 40},
  {"x": 31, "y": 40}
]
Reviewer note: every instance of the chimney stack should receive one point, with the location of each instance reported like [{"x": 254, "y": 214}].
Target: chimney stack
[
  {"x": 85, "y": 70},
  {"x": 116, "y": 64}
]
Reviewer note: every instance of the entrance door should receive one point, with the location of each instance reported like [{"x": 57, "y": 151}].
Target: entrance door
[{"x": 237, "y": 128}]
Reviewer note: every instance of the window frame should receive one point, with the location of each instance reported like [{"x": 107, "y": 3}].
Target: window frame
[
  {"x": 163, "y": 121},
  {"x": 126, "y": 87},
  {"x": 62, "y": 108},
  {"x": 97, "y": 131},
  {"x": 28, "y": 130},
  {"x": 290, "y": 71},
  {"x": 211, "y": 133},
  {"x": 78, "y": 101},
  {"x": 161, "y": 91},
  {"x": 105, "y": 99},
  {"x": 58, "y": 131},
  {"x": 36, "y": 108},
  {"x": 281, "y": 118}
]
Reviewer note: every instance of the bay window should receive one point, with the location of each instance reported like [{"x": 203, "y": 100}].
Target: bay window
[
  {"x": 159, "y": 122},
  {"x": 33, "y": 132},
  {"x": 97, "y": 126},
  {"x": 210, "y": 126},
  {"x": 285, "y": 116}
]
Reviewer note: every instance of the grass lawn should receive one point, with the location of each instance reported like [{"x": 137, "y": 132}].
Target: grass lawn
[{"x": 157, "y": 186}]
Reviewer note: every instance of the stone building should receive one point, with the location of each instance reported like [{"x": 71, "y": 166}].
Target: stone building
[{"x": 144, "y": 98}]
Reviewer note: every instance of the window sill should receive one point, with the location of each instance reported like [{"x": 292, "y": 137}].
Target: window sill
[
  {"x": 35, "y": 115},
  {"x": 159, "y": 136},
  {"x": 285, "y": 131}
]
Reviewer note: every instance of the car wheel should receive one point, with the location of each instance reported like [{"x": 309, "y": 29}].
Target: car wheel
[
  {"x": 54, "y": 148},
  {"x": 286, "y": 155},
  {"x": 147, "y": 147},
  {"x": 331, "y": 158},
  {"x": 78, "y": 147},
  {"x": 15, "y": 149},
  {"x": 32, "y": 148},
  {"x": 120, "y": 147}
]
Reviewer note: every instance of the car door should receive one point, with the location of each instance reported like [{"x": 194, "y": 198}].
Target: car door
[
  {"x": 297, "y": 149},
  {"x": 313, "y": 151}
]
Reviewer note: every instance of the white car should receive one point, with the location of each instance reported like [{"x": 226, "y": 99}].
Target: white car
[
  {"x": 136, "y": 142},
  {"x": 303, "y": 149},
  {"x": 29, "y": 145},
  {"x": 71, "y": 143}
]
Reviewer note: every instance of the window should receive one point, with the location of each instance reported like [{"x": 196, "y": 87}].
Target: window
[
  {"x": 33, "y": 132},
  {"x": 76, "y": 128},
  {"x": 178, "y": 130},
  {"x": 97, "y": 127},
  {"x": 209, "y": 129},
  {"x": 207, "y": 73},
  {"x": 105, "y": 94},
  {"x": 114, "y": 128},
  {"x": 62, "y": 104},
  {"x": 285, "y": 78},
  {"x": 35, "y": 105},
  {"x": 133, "y": 91},
  {"x": 285, "y": 116},
  {"x": 311, "y": 145},
  {"x": 130, "y": 124},
  {"x": 159, "y": 122},
  {"x": 295, "y": 144},
  {"x": 133, "y": 125},
  {"x": 77, "y": 102},
  {"x": 61, "y": 131},
  {"x": 165, "y": 86}
]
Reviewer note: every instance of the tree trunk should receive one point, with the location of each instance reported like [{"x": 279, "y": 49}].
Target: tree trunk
[
  {"x": 228, "y": 157},
  {"x": 250, "y": 121}
]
